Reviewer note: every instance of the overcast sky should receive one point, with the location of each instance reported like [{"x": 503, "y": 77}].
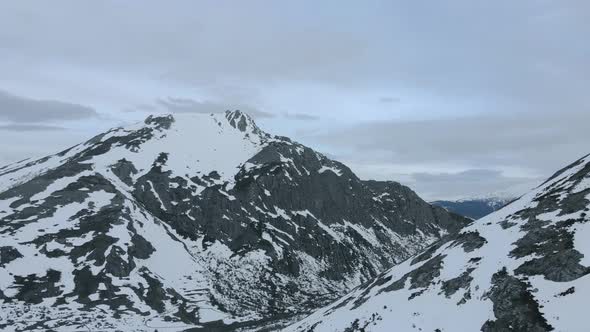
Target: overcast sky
[{"x": 455, "y": 98}]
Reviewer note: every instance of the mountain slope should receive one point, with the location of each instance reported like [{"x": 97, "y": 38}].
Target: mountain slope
[
  {"x": 191, "y": 220},
  {"x": 523, "y": 268},
  {"x": 474, "y": 208}
]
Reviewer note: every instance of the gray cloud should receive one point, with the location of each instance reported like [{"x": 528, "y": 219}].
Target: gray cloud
[
  {"x": 300, "y": 116},
  {"x": 186, "y": 105},
  {"x": 540, "y": 141},
  {"x": 29, "y": 127},
  {"x": 469, "y": 183},
  {"x": 520, "y": 148},
  {"x": 499, "y": 85},
  {"x": 534, "y": 59},
  {"x": 25, "y": 110},
  {"x": 389, "y": 100},
  {"x": 535, "y": 46},
  {"x": 20, "y": 144},
  {"x": 143, "y": 107}
]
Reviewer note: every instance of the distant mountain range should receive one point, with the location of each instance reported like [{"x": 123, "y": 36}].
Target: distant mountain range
[
  {"x": 195, "y": 221},
  {"x": 474, "y": 208},
  {"x": 525, "y": 267}
]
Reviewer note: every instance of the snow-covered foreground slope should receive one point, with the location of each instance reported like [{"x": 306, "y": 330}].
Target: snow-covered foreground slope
[
  {"x": 522, "y": 268},
  {"x": 194, "y": 221}
]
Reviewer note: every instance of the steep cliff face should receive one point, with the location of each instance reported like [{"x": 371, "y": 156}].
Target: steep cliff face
[
  {"x": 525, "y": 267},
  {"x": 194, "y": 221}
]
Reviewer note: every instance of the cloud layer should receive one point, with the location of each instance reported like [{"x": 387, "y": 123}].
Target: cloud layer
[
  {"x": 26, "y": 110},
  {"x": 506, "y": 150},
  {"x": 398, "y": 89}
]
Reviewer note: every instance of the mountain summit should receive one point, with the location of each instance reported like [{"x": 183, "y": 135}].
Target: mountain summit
[
  {"x": 525, "y": 267},
  {"x": 194, "y": 221}
]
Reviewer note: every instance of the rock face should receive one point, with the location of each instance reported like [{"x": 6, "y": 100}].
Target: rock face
[
  {"x": 522, "y": 268},
  {"x": 194, "y": 221},
  {"x": 474, "y": 208}
]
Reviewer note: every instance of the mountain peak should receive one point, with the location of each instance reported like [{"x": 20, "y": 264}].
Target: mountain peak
[
  {"x": 195, "y": 143},
  {"x": 194, "y": 220},
  {"x": 242, "y": 121},
  {"x": 236, "y": 119}
]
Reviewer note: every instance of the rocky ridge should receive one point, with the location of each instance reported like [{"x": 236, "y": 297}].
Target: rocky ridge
[{"x": 194, "y": 221}]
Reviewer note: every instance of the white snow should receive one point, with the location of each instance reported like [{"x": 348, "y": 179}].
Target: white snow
[
  {"x": 367, "y": 234},
  {"x": 331, "y": 169},
  {"x": 305, "y": 213},
  {"x": 227, "y": 148}
]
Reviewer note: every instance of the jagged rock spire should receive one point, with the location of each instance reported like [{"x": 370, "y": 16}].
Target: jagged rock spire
[{"x": 242, "y": 121}]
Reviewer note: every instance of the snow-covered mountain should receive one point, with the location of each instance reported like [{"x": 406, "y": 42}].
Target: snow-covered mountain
[
  {"x": 522, "y": 268},
  {"x": 194, "y": 221},
  {"x": 474, "y": 208}
]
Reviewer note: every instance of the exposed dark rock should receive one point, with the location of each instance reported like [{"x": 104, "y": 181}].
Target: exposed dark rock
[
  {"x": 567, "y": 292},
  {"x": 463, "y": 281},
  {"x": 551, "y": 244},
  {"x": 8, "y": 254},
  {"x": 140, "y": 247},
  {"x": 469, "y": 241},
  {"x": 514, "y": 306},
  {"x": 427, "y": 254},
  {"x": 124, "y": 169},
  {"x": 155, "y": 295},
  {"x": 85, "y": 284},
  {"x": 561, "y": 266},
  {"x": 425, "y": 274},
  {"x": 33, "y": 289},
  {"x": 420, "y": 277},
  {"x": 160, "y": 122},
  {"x": 505, "y": 224},
  {"x": 116, "y": 265}
]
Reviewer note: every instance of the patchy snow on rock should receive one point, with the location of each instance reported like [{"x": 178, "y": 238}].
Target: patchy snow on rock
[
  {"x": 510, "y": 270},
  {"x": 331, "y": 169},
  {"x": 194, "y": 221}
]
